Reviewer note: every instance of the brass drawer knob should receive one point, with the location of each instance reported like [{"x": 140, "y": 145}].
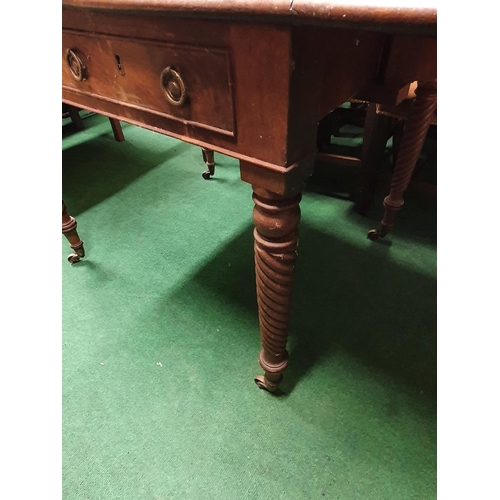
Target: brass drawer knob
[
  {"x": 76, "y": 65},
  {"x": 173, "y": 87}
]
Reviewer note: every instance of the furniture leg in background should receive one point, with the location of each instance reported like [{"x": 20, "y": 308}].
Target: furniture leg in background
[
  {"x": 69, "y": 230},
  {"x": 76, "y": 119},
  {"x": 208, "y": 158},
  {"x": 74, "y": 114},
  {"x": 415, "y": 131},
  {"x": 69, "y": 222},
  {"x": 117, "y": 129}
]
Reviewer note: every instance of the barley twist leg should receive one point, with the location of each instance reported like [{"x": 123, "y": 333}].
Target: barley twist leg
[
  {"x": 276, "y": 221},
  {"x": 415, "y": 131}
]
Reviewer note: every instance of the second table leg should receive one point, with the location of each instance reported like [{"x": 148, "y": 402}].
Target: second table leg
[
  {"x": 415, "y": 131},
  {"x": 69, "y": 231}
]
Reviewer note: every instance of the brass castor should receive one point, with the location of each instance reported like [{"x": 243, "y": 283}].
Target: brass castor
[
  {"x": 263, "y": 383},
  {"x": 374, "y": 234},
  {"x": 208, "y": 158},
  {"x": 75, "y": 257}
]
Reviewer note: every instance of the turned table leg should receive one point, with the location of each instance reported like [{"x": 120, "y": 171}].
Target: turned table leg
[
  {"x": 69, "y": 230},
  {"x": 208, "y": 158},
  {"x": 276, "y": 220},
  {"x": 417, "y": 125}
]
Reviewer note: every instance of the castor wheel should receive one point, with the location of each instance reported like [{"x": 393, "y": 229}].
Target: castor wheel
[
  {"x": 374, "y": 234},
  {"x": 208, "y": 158},
  {"x": 263, "y": 383},
  {"x": 75, "y": 257}
]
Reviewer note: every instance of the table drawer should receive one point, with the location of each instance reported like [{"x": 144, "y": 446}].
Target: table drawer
[{"x": 180, "y": 82}]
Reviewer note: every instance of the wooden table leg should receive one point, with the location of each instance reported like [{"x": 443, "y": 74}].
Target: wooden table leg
[
  {"x": 419, "y": 120},
  {"x": 208, "y": 158},
  {"x": 69, "y": 230},
  {"x": 276, "y": 220}
]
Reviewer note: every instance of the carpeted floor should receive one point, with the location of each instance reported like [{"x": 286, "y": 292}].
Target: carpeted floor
[{"x": 160, "y": 338}]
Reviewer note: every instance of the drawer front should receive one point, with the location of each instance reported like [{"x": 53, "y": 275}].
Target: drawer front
[{"x": 180, "y": 82}]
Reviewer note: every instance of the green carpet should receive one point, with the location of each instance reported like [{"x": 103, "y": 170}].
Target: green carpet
[{"x": 160, "y": 338}]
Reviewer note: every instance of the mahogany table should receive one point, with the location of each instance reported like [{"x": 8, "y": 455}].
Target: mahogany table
[{"x": 249, "y": 79}]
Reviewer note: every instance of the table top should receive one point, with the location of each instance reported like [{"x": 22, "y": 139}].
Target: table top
[{"x": 411, "y": 16}]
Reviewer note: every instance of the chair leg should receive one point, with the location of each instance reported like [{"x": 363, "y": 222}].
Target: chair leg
[
  {"x": 76, "y": 119},
  {"x": 331, "y": 125},
  {"x": 117, "y": 129},
  {"x": 415, "y": 131},
  {"x": 69, "y": 230},
  {"x": 208, "y": 158},
  {"x": 74, "y": 114},
  {"x": 377, "y": 131}
]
